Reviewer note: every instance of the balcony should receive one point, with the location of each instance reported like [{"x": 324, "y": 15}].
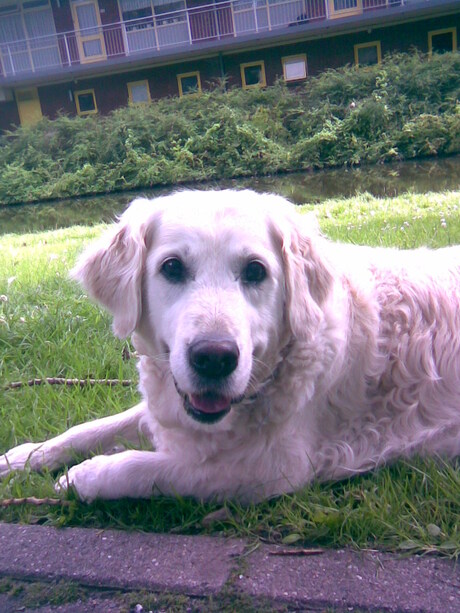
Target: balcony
[{"x": 180, "y": 30}]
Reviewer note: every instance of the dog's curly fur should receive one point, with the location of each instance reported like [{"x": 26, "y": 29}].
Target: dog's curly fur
[{"x": 333, "y": 358}]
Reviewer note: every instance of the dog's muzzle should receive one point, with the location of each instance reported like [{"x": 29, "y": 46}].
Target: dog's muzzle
[{"x": 212, "y": 360}]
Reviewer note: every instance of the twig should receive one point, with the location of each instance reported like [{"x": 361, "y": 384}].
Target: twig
[
  {"x": 69, "y": 382},
  {"x": 55, "y": 502},
  {"x": 296, "y": 552}
]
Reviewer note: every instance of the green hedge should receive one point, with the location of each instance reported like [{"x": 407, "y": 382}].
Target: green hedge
[{"x": 404, "y": 108}]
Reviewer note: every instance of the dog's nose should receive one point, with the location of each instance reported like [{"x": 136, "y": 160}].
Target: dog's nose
[{"x": 215, "y": 357}]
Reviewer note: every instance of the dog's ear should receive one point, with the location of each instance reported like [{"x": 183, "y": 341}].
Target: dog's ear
[
  {"x": 308, "y": 274},
  {"x": 111, "y": 270}
]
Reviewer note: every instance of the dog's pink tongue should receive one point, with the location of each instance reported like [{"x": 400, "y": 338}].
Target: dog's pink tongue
[{"x": 210, "y": 402}]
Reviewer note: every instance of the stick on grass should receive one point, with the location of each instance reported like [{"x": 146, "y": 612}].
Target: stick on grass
[
  {"x": 69, "y": 382},
  {"x": 55, "y": 502}
]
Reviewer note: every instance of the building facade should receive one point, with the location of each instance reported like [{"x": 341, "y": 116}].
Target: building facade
[{"x": 81, "y": 57}]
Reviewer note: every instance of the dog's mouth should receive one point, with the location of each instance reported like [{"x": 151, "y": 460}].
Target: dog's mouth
[{"x": 207, "y": 408}]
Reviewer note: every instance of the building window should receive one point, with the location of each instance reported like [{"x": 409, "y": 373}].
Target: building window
[
  {"x": 28, "y": 37},
  {"x": 33, "y": 4},
  {"x": 167, "y": 12},
  {"x": 367, "y": 54},
  {"x": 253, "y": 75},
  {"x": 189, "y": 83},
  {"x": 343, "y": 8},
  {"x": 135, "y": 9},
  {"x": 85, "y": 100},
  {"x": 442, "y": 41},
  {"x": 6, "y": 94},
  {"x": 294, "y": 67},
  {"x": 150, "y": 24},
  {"x": 138, "y": 92},
  {"x": 143, "y": 10},
  {"x": 9, "y": 8}
]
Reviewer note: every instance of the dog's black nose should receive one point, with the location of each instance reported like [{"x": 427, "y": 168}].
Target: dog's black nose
[{"x": 214, "y": 357}]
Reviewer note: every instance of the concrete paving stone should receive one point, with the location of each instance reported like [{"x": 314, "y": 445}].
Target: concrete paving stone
[
  {"x": 214, "y": 567},
  {"x": 125, "y": 560},
  {"x": 346, "y": 579}
]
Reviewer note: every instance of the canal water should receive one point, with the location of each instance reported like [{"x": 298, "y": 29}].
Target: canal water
[{"x": 382, "y": 181}]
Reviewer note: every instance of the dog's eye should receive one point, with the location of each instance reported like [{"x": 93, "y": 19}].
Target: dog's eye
[
  {"x": 173, "y": 270},
  {"x": 254, "y": 273}
]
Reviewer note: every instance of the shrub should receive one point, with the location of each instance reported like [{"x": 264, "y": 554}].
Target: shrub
[{"x": 406, "y": 107}]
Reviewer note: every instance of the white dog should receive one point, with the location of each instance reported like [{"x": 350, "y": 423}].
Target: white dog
[{"x": 269, "y": 356}]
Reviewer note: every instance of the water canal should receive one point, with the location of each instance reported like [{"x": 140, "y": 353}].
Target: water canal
[{"x": 382, "y": 181}]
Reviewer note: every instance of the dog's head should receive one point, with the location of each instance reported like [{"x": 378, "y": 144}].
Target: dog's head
[{"x": 219, "y": 282}]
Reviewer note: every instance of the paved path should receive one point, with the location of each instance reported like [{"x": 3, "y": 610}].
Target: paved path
[{"x": 204, "y": 567}]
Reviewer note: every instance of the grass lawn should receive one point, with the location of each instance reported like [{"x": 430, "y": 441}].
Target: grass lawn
[{"x": 48, "y": 328}]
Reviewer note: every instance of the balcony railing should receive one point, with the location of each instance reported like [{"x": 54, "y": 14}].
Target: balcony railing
[{"x": 230, "y": 18}]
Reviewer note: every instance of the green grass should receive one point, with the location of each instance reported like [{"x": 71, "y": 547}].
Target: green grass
[
  {"x": 409, "y": 221},
  {"x": 49, "y": 328}
]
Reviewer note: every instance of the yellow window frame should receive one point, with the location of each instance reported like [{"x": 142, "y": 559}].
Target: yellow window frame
[
  {"x": 301, "y": 57},
  {"x": 262, "y": 83},
  {"x": 432, "y": 33},
  {"x": 183, "y": 75},
  {"x": 77, "y": 102},
  {"x": 131, "y": 84},
  {"x": 336, "y": 14},
  {"x": 374, "y": 43}
]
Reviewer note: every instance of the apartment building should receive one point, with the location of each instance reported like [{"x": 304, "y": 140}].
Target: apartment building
[{"x": 81, "y": 57}]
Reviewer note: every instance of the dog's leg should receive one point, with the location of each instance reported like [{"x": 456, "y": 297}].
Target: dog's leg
[
  {"x": 129, "y": 474},
  {"x": 143, "y": 474},
  {"x": 100, "y": 436}
]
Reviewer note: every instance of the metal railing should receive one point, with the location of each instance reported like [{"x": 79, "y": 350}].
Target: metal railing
[{"x": 230, "y": 18}]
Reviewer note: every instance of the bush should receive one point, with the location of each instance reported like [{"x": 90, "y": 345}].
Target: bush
[{"x": 406, "y": 107}]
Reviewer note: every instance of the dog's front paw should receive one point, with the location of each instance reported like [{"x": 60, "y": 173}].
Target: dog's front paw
[
  {"x": 87, "y": 479},
  {"x": 18, "y": 457}
]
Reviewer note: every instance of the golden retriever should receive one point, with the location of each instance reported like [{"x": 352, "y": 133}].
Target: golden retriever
[{"x": 269, "y": 355}]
